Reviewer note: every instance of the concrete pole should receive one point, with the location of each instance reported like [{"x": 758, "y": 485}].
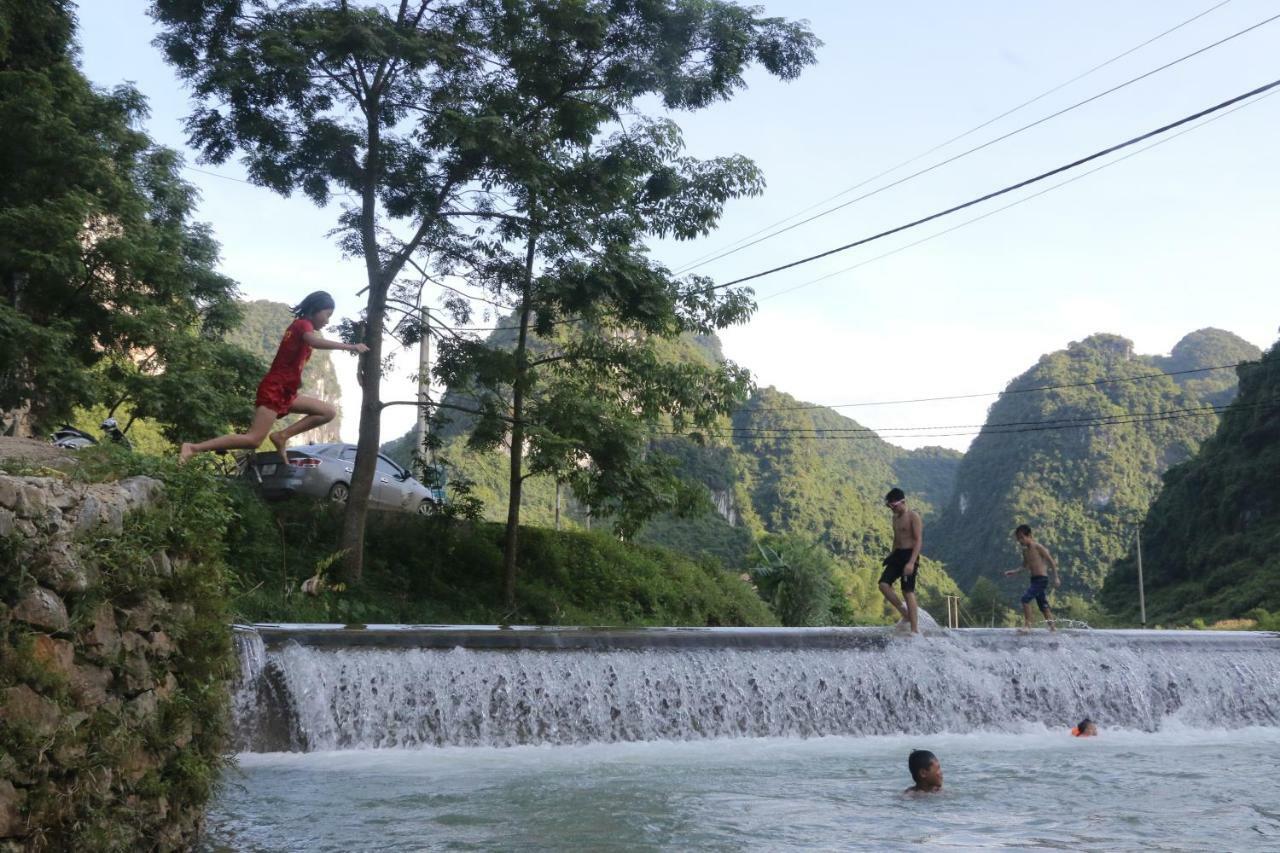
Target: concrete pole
[
  {"x": 1142, "y": 593},
  {"x": 424, "y": 387}
]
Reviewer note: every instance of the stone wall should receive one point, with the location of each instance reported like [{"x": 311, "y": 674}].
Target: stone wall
[{"x": 113, "y": 662}]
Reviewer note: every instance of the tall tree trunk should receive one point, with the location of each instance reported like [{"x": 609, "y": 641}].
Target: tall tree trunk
[
  {"x": 370, "y": 364},
  {"x": 517, "y": 433}
]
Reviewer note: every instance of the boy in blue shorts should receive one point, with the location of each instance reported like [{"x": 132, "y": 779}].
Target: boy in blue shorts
[{"x": 1038, "y": 562}]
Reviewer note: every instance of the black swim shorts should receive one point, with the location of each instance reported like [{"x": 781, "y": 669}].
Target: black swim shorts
[
  {"x": 1039, "y": 590},
  {"x": 893, "y": 567}
]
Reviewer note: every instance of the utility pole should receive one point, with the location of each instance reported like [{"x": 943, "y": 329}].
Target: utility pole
[
  {"x": 557, "y": 504},
  {"x": 1142, "y": 594},
  {"x": 424, "y": 387}
]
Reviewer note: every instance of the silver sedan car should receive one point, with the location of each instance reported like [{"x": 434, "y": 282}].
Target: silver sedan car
[{"x": 324, "y": 471}]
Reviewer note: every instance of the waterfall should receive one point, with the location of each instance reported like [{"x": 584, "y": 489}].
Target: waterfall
[{"x": 351, "y": 689}]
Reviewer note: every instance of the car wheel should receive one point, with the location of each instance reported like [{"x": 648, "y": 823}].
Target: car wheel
[
  {"x": 339, "y": 493},
  {"x": 425, "y": 507}
]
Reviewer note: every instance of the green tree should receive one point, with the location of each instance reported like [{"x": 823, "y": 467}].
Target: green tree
[
  {"x": 421, "y": 111},
  {"x": 108, "y": 291}
]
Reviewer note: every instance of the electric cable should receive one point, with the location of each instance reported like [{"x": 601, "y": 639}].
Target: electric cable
[
  {"x": 982, "y": 146},
  {"x": 698, "y": 260},
  {"x": 1008, "y": 189}
]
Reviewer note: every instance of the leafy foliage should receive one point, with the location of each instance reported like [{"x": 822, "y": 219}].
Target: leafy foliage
[
  {"x": 1081, "y": 489},
  {"x": 108, "y": 291},
  {"x": 492, "y": 132},
  {"x": 434, "y": 570},
  {"x": 1211, "y": 542}
]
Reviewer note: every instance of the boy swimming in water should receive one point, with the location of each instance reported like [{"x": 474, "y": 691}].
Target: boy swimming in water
[
  {"x": 1038, "y": 562},
  {"x": 904, "y": 561},
  {"x": 926, "y": 772}
]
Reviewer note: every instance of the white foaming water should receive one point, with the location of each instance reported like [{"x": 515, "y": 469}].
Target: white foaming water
[{"x": 361, "y": 698}]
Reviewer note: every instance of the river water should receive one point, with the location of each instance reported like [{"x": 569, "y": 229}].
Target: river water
[
  {"x": 1177, "y": 789},
  {"x": 468, "y": 738}
]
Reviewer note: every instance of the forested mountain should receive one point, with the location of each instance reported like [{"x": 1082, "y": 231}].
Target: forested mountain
[
  {"x": 1211, "y": 542},
  {"x": 259, "y": 332},
  {"x": 1081, "y": 484}
]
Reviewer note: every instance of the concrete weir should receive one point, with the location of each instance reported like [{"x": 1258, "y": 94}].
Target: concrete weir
[{"x": 318, "y": 687}]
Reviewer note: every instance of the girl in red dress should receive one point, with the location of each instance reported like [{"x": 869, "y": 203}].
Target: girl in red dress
[{"x": 278, "y": 392}]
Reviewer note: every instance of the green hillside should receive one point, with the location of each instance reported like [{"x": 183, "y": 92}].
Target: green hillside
[
  {"x": 259, "y": 332},
  {"x": 1083, "y": 488},
  {"x": 1211, "y": 542}
]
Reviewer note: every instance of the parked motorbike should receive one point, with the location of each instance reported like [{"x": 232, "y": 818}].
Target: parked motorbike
[{"x": 70, "y": 438}]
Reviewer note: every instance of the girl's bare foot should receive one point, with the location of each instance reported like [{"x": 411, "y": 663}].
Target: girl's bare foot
[
  {"x": 186, "y": 452},
  {"x": 282, "y": 445}
]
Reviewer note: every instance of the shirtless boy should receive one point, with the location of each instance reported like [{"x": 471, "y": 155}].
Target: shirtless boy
[
  {"x": 1038, "y": 562},
  {"x": 904, "y": 562},
  {"x": 926, "y": 772}
]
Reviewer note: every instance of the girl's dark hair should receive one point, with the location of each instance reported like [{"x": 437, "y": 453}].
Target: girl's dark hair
[
  {"x": 318, "y": 301},
  {"x": 1086, "y": 721},
  {"x": 920, "y": 759}
]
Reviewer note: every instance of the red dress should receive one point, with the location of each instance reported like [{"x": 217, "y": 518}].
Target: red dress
[{"x": 279, "y": 388}]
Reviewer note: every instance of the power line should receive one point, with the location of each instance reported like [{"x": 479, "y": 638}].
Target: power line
[
  {"x": 995, "y": 194},
  {"x": 1023, "y": 200},
  {"x": 1106, "y": 381},
  {"x": 708, "y": 256},
  {"x": 982, "y": 146}
]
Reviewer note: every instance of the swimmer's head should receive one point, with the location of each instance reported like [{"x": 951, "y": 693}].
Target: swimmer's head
[
  {"x": 1085, "y": 728},
  {"x": 926, "y": 770},
  {"x": 1022, "y": 532}
]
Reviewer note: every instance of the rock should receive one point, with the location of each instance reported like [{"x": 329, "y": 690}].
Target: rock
[
  {"x": 57, "y": 656},
  {"x": 160, "y": 564},
  {"x": 142, "y": 707},
  {"x": 102, "y": 639},
  {"x": 135, "y": 764},
  {"x": 11, "y": 799},
  {"x": 89, "y": 516},
  {"x": 182, "y": 737},
  {"x": 137, "y": 663},
  {"x": 140, "y": 491},
  {"x": 161, "y": 645},
  {"x": 31, "y": 502},
  {"x": 145, "y": 615},
  {"x": 7, "y": 521},
  {"x": 8, "y": 492},
  {"x": 58, "y": 567},
  {"x": 43, "y": 609},
  {"x": 89, "y": 685},
  {"x": 168, "y": 687},
  {"x": 24, "y": 706}
]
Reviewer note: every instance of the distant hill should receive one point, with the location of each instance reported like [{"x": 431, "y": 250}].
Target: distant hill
[
  {"x": 1211, "y": 542},
  {"x": 1083, "y": 489},
  {"x": 260, "y": 332}
]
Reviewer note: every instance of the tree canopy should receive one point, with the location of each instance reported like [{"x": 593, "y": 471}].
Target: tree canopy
[{"x": 109, "y": 292}]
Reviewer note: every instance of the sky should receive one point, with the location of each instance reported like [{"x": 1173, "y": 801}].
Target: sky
[{"x": 1174, "y": 239}]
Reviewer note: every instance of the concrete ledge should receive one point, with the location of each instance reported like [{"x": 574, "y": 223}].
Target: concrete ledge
[{"x": 562, "y": 638}]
